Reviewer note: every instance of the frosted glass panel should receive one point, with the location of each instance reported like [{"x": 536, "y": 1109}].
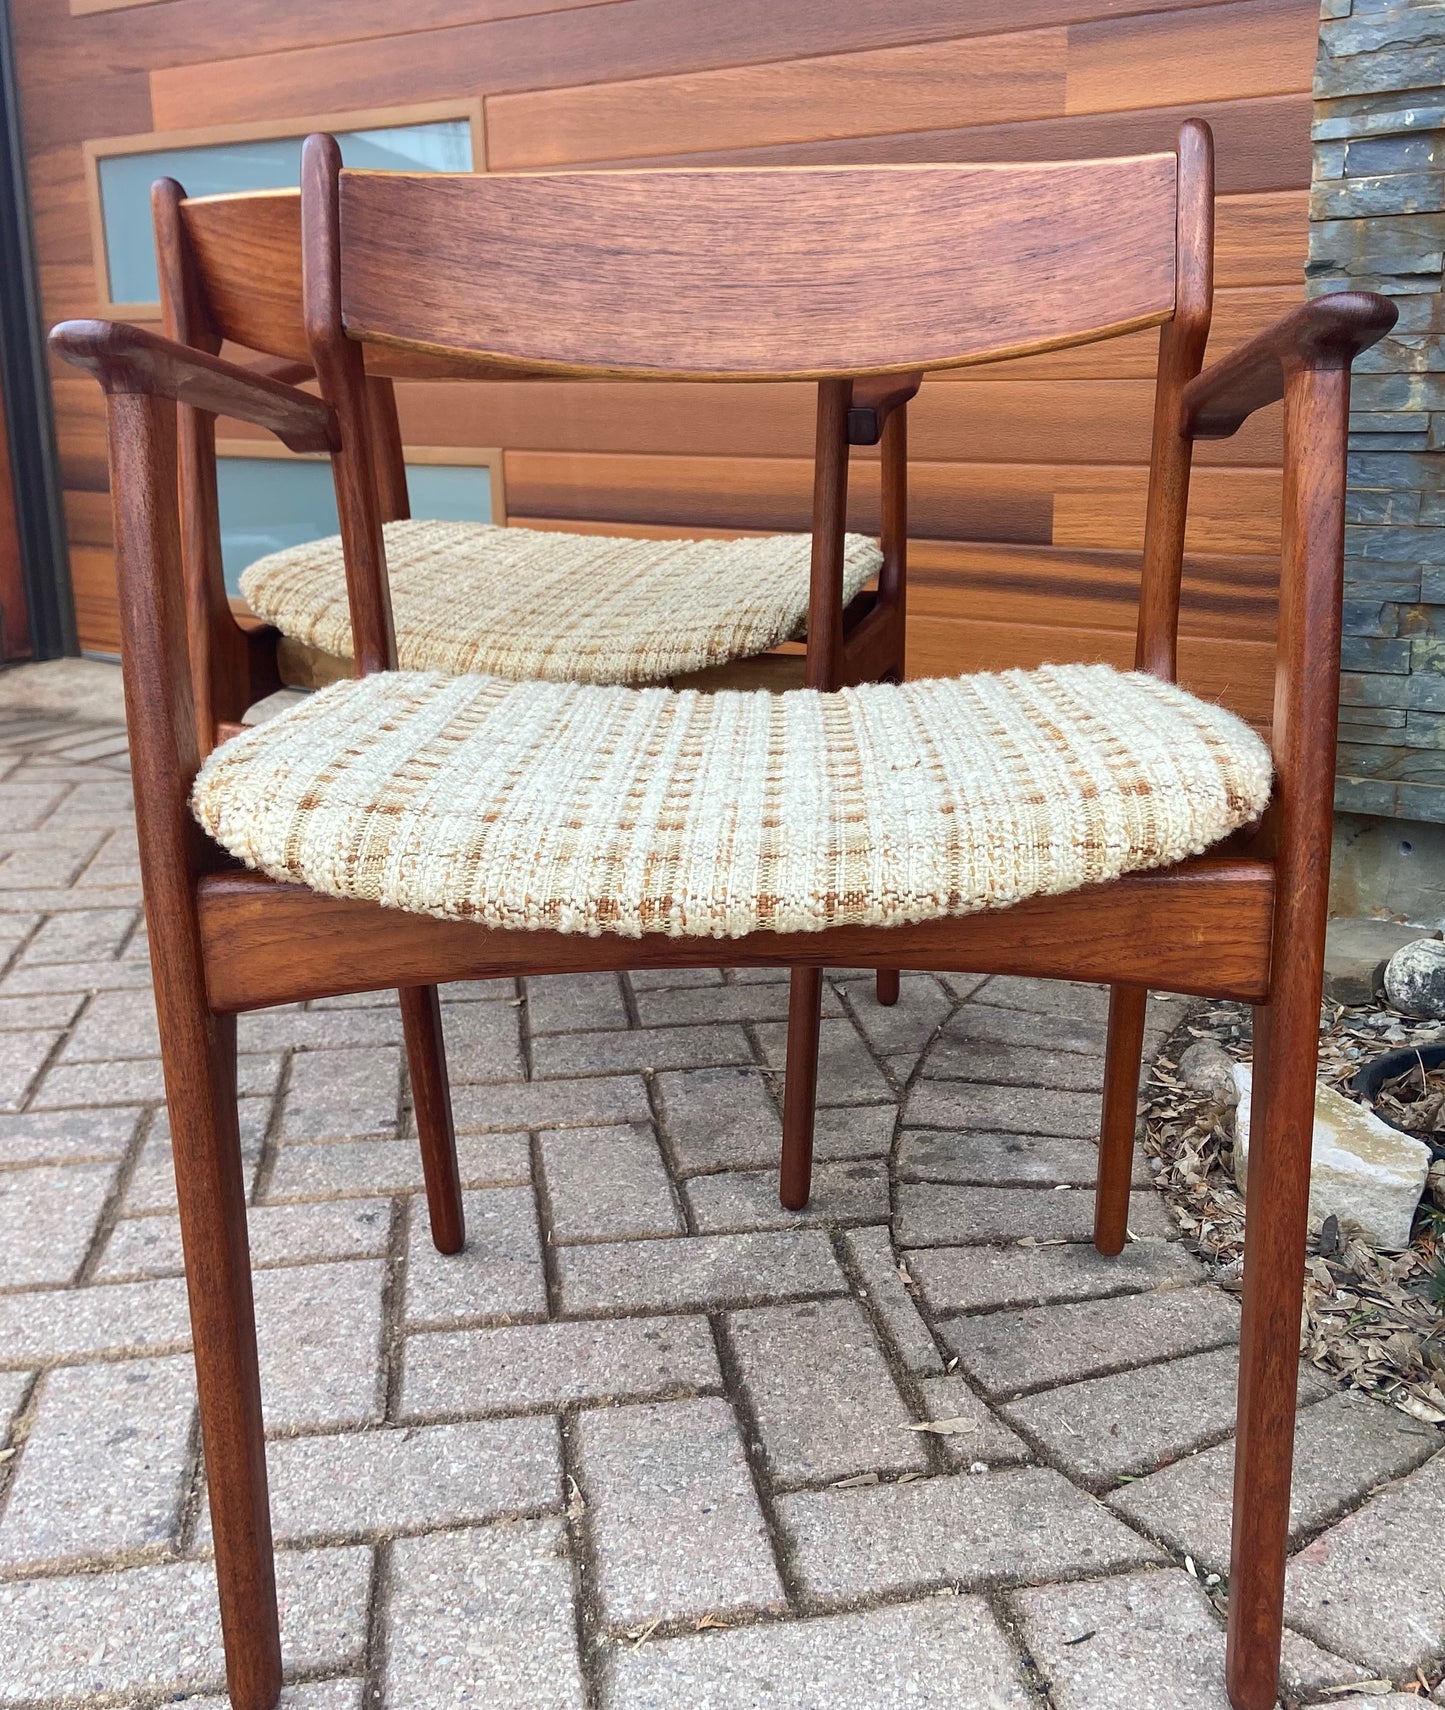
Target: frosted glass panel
[
  {"x": 272, "y": 163},
  {"x": 268, "y": 503},
  {"x": 449, "y": 492}
]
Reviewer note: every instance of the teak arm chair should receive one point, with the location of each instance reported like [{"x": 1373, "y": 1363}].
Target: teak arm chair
[{"x": 788, "y": 274}]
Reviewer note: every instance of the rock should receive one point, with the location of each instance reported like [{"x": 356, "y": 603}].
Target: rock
[
  {"x": 1205, "y": 1067},
  {"x": 1362, "y": 1171},
  {"x": 1356, "y": 950},
  {"x": 1415, "y": 979}
]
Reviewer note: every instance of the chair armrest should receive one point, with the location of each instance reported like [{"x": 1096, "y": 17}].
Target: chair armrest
[
  {"x": 129, "y": 359},
  {"x": 874, "y": 399},
  {"x": 1328, "y": 332}
]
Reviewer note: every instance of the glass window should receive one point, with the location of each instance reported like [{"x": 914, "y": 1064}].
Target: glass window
[
  {"x": 268, "y": 503},
  {"x": 271, "y": 163}
]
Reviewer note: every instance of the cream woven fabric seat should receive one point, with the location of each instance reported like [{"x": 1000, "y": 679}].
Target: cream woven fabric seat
[
  {"x": 569, "y": 608},
  {"x": 582, "y": 809}
]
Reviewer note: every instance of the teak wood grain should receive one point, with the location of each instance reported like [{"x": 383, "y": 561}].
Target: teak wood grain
[
  {"x": 584, "y": 272},
  {"x": 1246, "y": 922}
]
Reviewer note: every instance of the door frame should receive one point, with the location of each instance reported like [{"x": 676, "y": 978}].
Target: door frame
[{"x": 28, "y": 421}]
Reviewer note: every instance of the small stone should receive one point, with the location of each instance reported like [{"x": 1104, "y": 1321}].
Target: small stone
[
  {"x": 1205, "y": 1067},
  {"x": 1415, "y": 979},
  {"x": 674, "y": 1513},
  {"x": 1356, "y": 950},
  {"x": 1362, "y": 1170}
]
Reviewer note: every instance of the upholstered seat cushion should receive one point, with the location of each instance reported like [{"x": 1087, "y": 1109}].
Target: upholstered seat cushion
[
  {"x": 583, "y": 809},
  {"x": 570, "y": 608}
]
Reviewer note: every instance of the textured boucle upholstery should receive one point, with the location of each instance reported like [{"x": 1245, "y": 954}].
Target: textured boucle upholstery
[
  {"x": 570, "y": 608},
  {"x": 582, "y": 809}
]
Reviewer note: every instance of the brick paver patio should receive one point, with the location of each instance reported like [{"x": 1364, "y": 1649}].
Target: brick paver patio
[{"x": 651, "y": 1442}]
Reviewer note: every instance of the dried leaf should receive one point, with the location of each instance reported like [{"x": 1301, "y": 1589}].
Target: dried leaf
[{"x": 945, "y": 1427}]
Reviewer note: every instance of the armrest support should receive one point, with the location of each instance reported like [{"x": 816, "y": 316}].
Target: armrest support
[
  {"x": 874, "y": 399},
  {"x": 129, "y": 359},
  {"x": 282, "y": 368},
  {"x": 1326, "y": 333}
]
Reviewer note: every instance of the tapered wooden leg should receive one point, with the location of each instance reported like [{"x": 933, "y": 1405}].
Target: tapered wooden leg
[
  {"x": 1281, "y": 1131},
  {"x": 886, "y": 984},
  {"x": 1122, "y": 1052},
  {"x": 426, "y": 1061},
  {"x": 199, "y": 1056},
  {"x": 800, "y": 1087}
]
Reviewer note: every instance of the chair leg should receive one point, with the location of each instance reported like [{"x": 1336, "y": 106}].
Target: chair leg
[
  {"x": 886, "y": 984},
  {"x": 800, "y": 1087},
  {"x": 199, "y": 1055},
  {"x": 1276, "y": 1223},
  {"x": 426, "y": 1061},
  {"x": 1122, "y": 1052}
]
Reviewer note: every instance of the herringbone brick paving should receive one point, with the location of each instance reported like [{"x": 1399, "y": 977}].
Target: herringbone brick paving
[{"x": 651, "y": 1441}]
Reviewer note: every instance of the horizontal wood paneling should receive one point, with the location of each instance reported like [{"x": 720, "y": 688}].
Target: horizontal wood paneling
[
  {"x": 1029, "y": 478},
  {"x": 1258, "y": 47},
  {"x": 562, "y": 48},
  {"x": 1215, "y": 53},
  {"x": 1042, "y": 504},
  {"x": 1259, "y": 144},
  {"x": 1011, "y": 421}
]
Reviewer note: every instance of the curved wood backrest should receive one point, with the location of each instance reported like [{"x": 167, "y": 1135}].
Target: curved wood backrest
[
  {"x": 754, "y": 273},
  {"x": 246, "y": 249}
]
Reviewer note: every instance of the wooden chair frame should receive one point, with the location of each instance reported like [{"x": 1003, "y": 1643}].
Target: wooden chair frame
[
  {"x": 230, "y": 268},
  {"x": 1246, "y": 922}
]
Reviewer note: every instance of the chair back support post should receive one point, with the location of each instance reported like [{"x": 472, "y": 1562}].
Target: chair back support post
[
  {"x": 830, "y": 522},
  {"x": 893, "y": 455},
  {"x": 388, "y": 454},
  {"x": 341, "y": 369},
  {"x": 1181, "y": 356},
  {"x": 219, "y": 655}
]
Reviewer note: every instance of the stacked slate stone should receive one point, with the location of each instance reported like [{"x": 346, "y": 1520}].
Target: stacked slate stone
[{"x": 1377, "y": 217}]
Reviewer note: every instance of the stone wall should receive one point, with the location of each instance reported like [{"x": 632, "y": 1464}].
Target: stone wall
[{"x": 1377, "y": 218}]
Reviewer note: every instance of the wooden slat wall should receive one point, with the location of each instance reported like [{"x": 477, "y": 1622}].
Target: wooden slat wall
[{"x": 1028, "y": 485}]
